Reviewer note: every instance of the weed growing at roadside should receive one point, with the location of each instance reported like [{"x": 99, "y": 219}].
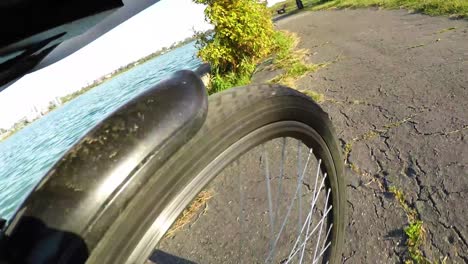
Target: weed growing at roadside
[
  {"x": 415, "y": 236},
  {"x": 355, "y": 168},
  {"x": 417, "y": 46},
  {"x": 398, "y": 123},
  {"x": 189, "y": 213},
  {"x": 445, "y": 30},
  {"x": 221, "y": 82},
  {"x": 317, "y": 97},
  {"x": 414, "y": 232},
  {"x": 370, "y": 135},
  {"x": 347, "y": 150},
  {"x": 410, "y": 212},
  {"x": 285, "y": 42},
  {"x": 290, "y": 60}
]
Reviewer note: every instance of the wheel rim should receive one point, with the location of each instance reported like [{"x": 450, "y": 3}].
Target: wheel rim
[{"x": 308, "y": 203}]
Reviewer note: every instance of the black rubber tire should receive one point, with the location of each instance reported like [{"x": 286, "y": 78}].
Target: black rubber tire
[{"x": 232, "y": 115}]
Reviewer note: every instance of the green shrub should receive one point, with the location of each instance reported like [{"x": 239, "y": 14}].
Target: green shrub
[
  {"x": 285, "y": 43},
  {"x": 415, "y": 236},
  {"x": 243, "y": 35},
  {"x": 220, "y": 82},
  {"x": 289, "y": 59}
]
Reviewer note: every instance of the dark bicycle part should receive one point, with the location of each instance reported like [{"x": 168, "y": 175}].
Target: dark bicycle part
[
  {"x": 73, "y": 206},
  {"x": 37, "y": 33}
]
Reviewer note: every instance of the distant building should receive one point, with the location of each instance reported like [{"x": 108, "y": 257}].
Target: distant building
[
  {"x": 33, "y": 114},
  {"x": 57, "y": 101},
  {"x": 3, "y": 133}
]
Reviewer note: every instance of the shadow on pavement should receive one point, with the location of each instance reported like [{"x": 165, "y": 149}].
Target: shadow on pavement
[
  {"x": 32, "y": 241},
  {"x": 283, "y": 16},
  {"x": 396, "y": 233},
  {"x": 297, "y": 10},
  {"x": 161, "y": 257}
]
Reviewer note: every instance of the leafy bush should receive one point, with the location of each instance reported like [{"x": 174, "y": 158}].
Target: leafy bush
[
  {"x": 220, "y": 82},
  {"x": 285, "y": 43},
  {"x": 243, "y": 35}
]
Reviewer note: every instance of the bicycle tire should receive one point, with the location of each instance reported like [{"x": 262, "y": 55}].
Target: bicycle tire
[{"x": 233, "y": 116}]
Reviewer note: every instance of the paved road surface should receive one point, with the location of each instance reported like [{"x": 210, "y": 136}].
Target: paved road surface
[{"x": 400, "y": 89}]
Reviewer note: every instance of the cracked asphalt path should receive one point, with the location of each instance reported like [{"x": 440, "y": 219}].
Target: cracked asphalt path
[{"x": 398, "y": 96}]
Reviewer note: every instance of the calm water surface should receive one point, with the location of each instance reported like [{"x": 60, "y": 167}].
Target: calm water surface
[{"x": 27, "y": 156}]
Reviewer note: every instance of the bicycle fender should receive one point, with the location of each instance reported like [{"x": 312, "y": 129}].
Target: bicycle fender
[{"x": 73, "y": 206}]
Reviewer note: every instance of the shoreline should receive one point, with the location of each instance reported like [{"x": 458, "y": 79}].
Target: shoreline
[{"x": 23, "y": 123}]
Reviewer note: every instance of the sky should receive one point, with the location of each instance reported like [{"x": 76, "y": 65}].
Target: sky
[{"x": 158, "y": 26}]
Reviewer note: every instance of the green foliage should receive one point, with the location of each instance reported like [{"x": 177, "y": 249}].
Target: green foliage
[
  {"x": 222, "y": 82},
  {"x": 410, "y": 212},
  {"x": 290, "y": 59},
  {"x": 284, "y": 45},
  {"x": 243, "y": 35},
  {"x": 415, "y": 234},
  {"x": 317, "y": 97},
  {"x": 15, "y": 128},
  {"x": 347, "y": 150}
]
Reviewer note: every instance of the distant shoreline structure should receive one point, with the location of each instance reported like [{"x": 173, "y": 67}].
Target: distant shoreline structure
[{"x": 59, "y": 101}]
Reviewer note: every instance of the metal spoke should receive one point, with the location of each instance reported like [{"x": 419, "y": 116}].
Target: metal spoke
[
  {"x": 241, "y": 214},
  {"x": 270, "y": 202},
  {"x": 289, "y": 209},
  {"x": 321, "y": 253},
  {"x": 321, "y": 226},
  {"x": 281, "y": 174},
  {"x": 299, "y": 166},
  {"x": 272, "y": 237},
  {"x": 325, "y": 240},
  {"x": 309, "y": 219},
  {"x": 306, "y": 223},
  {"x": 312, "y": 204},
  {"x": 316, "y": 178},
  {"x": 309, "y": 216},
  {"x": 309, "y": 236}
]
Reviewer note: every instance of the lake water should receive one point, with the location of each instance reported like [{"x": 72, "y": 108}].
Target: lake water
[{"x": 27, "y": 156}]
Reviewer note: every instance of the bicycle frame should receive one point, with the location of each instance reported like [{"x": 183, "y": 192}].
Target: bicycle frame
[{"x": 38, "y": 33}]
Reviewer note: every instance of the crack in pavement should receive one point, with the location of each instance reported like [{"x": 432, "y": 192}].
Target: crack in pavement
[
  {"x": 460, "y": 235},
  {"x": 406, "y": 124},
  {"x": 438, "y": 133}
]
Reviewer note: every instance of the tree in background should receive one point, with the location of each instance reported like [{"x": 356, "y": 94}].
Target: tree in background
[{"x": 243, "y": 34}]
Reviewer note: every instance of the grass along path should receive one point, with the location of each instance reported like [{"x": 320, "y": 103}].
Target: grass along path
[
  {"x": 455, "y": 8},
  {"x": 291, "y": 60}
]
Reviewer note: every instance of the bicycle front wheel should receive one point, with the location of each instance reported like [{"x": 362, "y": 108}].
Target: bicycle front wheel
[{"x": 262, "y": 181}]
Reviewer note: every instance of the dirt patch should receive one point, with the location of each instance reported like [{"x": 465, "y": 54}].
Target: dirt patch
[{"x": 395, "y": 66}]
